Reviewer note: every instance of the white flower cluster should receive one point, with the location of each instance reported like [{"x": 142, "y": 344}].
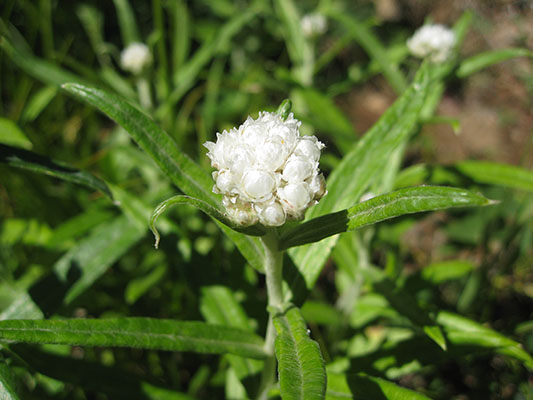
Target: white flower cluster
[
  {"x": 314, "y": 24},
  {"x": 135, "y": 58},
  {"x": 266, "y": 171},
  {"x": 433, "y": 41}
]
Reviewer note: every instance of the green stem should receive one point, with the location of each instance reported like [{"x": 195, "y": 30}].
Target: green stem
[
  {"x": 273, "y": 268},
  {"x": 143, "y": 90},
  {"x": 274, "y": 283}
]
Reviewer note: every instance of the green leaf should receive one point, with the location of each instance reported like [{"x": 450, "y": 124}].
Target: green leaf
[
  {"x": 12, "y": 135},
  {"x": 82, "y": 265},
  {"x": 24, "y": 159},
  {"x": 464, "y": 332},
  {"x": 497, "y": 174},
  {"x": 185, "y": 77},
  {"x": 354, "y": 174},
  {"x": 139, "y": 286},
  {"x": 299, "y": 49},
  {"x": 486, "y": 59},
  {"x": 7, "y": 384},
  {"x": 364, "y": 387},
  {"x": 183, "y": 171},
  {"x": 372, "y": 45},
  {"x": 302, "y": 374},
  {"x": 257, "y": 230},
  {"x": 219, "y": 306},
  {"x": 38, "y": 103},
  {"x": 381, "y": 208},
  {"x": 326, "y": 117},
  {"x": 143, "y": 333},
  {"x": 126, "y": 22},
  {"x": 440, "y": 272},
  {"x": 20, "y": 53},
  {"x": 115, "y": 382}
]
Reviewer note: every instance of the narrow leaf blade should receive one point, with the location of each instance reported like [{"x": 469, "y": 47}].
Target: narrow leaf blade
[
  {"x": 497, "y": 174},
  {"x": 145, "y": 333},
  {"x": 301, "y": 368},
  {"x": 354, "y": 174},
  {"x": 380, "y": 208},
  {"x": 28, "y": 160},
  {"x": 183, "y": 171},
  {"x": 7, "y": 384},
  {"x": 486, "y": 59},
  {"x": 364, "y": 387}
]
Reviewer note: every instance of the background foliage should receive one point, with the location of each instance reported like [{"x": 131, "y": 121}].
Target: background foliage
[{"x": 437, "y": 303}]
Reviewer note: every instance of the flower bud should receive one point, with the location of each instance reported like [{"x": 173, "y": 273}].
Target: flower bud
[
  {"x": 266, "y": 171},
  {"x": 135, "y": 58},
  {"x": 433, "y": 41}
]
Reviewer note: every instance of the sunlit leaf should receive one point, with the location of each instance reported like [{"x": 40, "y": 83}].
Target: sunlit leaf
[
  {"x": 302, "y": 374},
  {"x": 11, "y": 134},
  {"x": 464, "y": 332},
  {"x": 380, "y": 208},
  {"x": 144, "y": 333},
  {"x": 364, "y": 387},
  {"x": 354, "y": 174}
]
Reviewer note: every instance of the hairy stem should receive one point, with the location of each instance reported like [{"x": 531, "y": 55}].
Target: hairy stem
[{"x": 274, "y": 282}]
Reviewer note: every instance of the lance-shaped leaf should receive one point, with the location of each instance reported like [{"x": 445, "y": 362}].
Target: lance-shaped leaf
[
  {"x": 486, "y": 59},
  {"x": 114, "y": 381},
  {"x": 182, "y": 170},
  {"x": 465, "y": 333},
  {"x": 144, "y": 333},
  {"x": 25, "y": 159},
  {"x": 356, "y": 386},
  {"x": 302, "y": 374},
  {"x": 255, "y": 230},
  {"x": 353, "y": 175},
  {"x": 380, "y": 208},
  {"x": 497, "y": 174}
]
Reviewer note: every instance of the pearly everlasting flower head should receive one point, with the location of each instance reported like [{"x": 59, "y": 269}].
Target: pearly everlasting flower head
[
  {"x": 266, "y": 171},
  {"x": 433, "y": 41},
  {"x": 135, "y": 58},
  {"x": 314, "y": 24}
]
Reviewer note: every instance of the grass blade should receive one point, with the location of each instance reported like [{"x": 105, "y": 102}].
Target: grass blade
[
  {"x": 31, "y": 161},
  {"x": 302, "y": 374},
  {"x": 126, "y": 22},
  {"x": 371, "y": 44},
  {"x": 144, "y": 333}
]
